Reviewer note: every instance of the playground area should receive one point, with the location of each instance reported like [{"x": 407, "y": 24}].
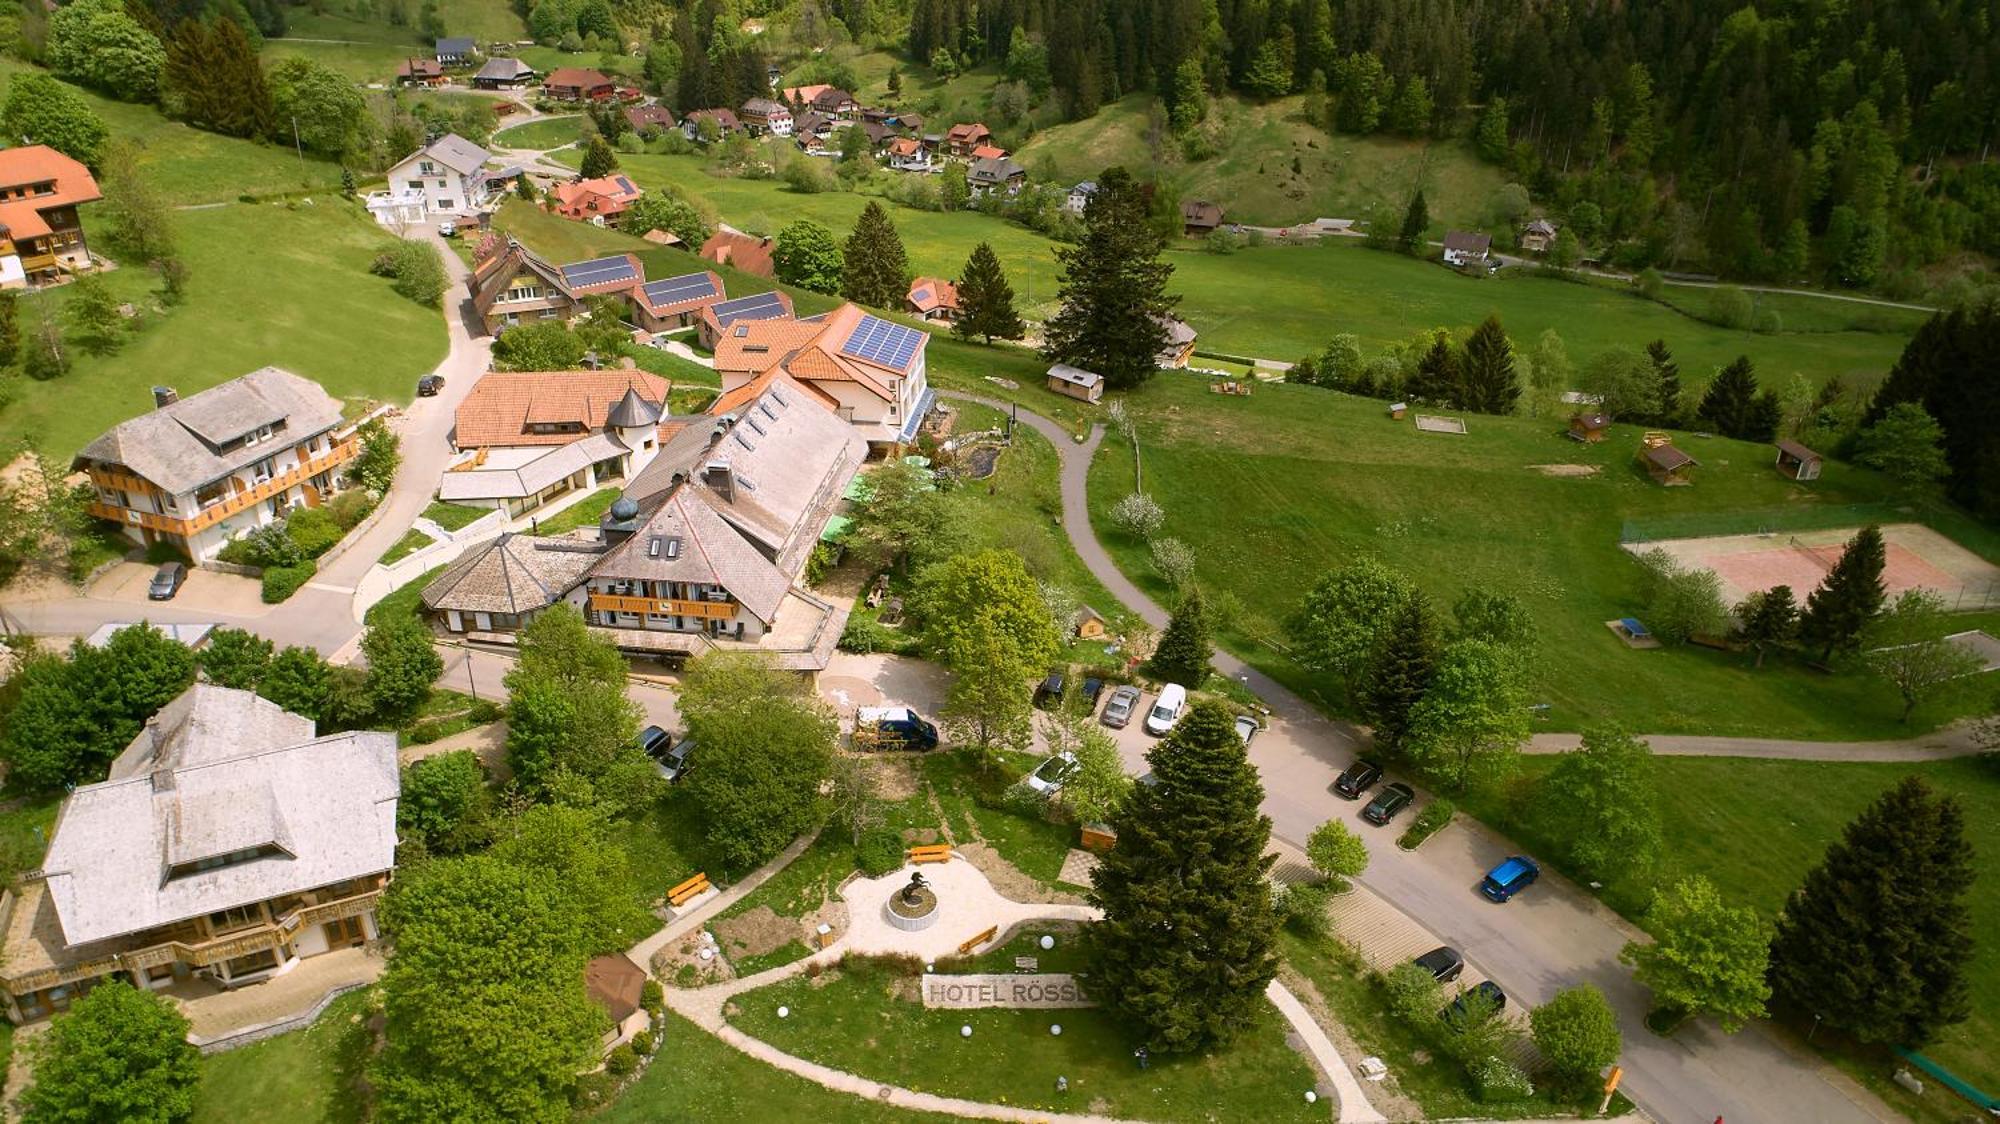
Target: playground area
[{"x": 1917, "y": 558}]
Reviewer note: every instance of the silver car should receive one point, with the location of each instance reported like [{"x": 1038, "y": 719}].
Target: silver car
[
  {"x": 1117, "y": 712},
  {"x": 1246, "y": 728}
]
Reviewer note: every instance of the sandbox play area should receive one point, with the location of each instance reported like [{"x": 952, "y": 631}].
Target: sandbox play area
[{"x": 1917, "y": 558}]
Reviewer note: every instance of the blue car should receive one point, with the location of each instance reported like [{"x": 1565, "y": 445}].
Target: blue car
[{"x": 1509, "y": 878}]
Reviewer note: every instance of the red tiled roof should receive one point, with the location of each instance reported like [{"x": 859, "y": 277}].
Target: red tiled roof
[
  {"x": 39, "y": 164},
  {"x": 576, "y": 76},
  {"x": 927, "y": 294},
  {"x": 738, "y": 250},
  {"x": 502, "y": 403}
]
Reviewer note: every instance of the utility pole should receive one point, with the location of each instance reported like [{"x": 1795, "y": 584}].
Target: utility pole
[{"x": 300, "y": 148}]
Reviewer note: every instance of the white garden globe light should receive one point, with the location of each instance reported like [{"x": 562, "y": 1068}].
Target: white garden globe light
[
  {"x": 1055, "y": 1028},
  {"x": 965, "y": 1032},
  {"x": 784, "y": 1012},
  {"x": 1048, "y": 943}
]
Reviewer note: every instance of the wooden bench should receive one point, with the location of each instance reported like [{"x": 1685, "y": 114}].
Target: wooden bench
[
  {"x": 966, "y": 948},
  {"x": 687, "y": 891},
  {"x": 930, "y": 853}
]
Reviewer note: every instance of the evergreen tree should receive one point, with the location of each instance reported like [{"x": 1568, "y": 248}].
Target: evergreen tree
[
  {"x": 1951, "y": 368},
  {"x": 1768, "y": 620},
  {"x": 1400, "y": 671},
  {"x": 1490, "y": 383},
  {"x": 1184, "y": 650},
  {"x": 1491, "y": 134},
  {"x": 240, "y": 99},
  {"x": 1185, "y": 947},
  {"x": 1850, "y": 596},
  {"x": 1877, "y": 939},
  {"x": 1113, "y": 289},
  {"x": 985, "y": 300},
  {"x": 598, "y": 159},
  {"x": 1436, "y": 380},
  {"x": 1730, "y": 404},
  {"x": 874, "y": 270},
  {"x": 1669, "y": 374},
  {"x": 1416, "y": 220}
]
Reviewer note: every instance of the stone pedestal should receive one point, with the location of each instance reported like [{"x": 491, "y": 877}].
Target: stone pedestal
[{"x": 912, "y": 916}]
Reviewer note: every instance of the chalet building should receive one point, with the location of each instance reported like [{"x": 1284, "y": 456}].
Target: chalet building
[
  {"x": 498, "y": 587},
  {"x": 600, "y": 202},
  {"x": 1538, "y": 236},
  {"x": 960, "y": 140},
  {"x": 933, "y": 298},
  {"x": 675, "y": 302},
  {"x": 1078, "y": 197},
  {"x": 650, "y": 119},
  {"x": 457, "y": 50},
  {"x": 747, "y": 253},
  {"x": 515, "y": 286},
  {"x": 830, "y": 101},
  {"x": 1199, "y": 217},
  {"x": 988, "y": 175},
  {"x": 503, "y": 74},
  {"x": 1075, "y": 382},
  {"x": 528, "y": 438},
  {"x": 573, "y": 83},
  {"x": 420, "y": 72},
  {"x": 229, "y": 842},
  {"x": 41, "y": 237},
  {"x": 766, "y": 116},
  {"x": 445, "y": 178},
  {"x": 1180, "y": 342},
  {"x": 199, "y": 471},
  {"x": 723, "y": 122},
  {"x": 716, "y": 318},
  {"x": 869, "y": 370},
  {"x": 1463, "y": 248},
  {"x": 907, "y": 154}
]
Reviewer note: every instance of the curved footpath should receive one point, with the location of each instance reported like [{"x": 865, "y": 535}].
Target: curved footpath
[{"x": 1557, "y": 937}]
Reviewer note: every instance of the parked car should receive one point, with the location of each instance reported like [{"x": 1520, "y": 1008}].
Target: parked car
[
  {"x": 1118, "y": 712},
  {"x": 1511, "y": 877},
  {"x": 1049, "y": 776},
  {"x": 1049, "y": 692},
  {"x": 1166, "y": 709},
  {"x": 1246, "y": 728},
  {"x": 1357, "y": 779},
  {"x": 1092, "y": 688},
  {"x": 166, "y": 582},
  {"x": 429, "y": 385},
  {"x": 1392, "y": 799},
  {"x": 447, "y": 229},
  {"x": 1443, "y": 963},
  {"x": 670, "y": 757},
  {"x": 894, "y": 727},
  {"x": 1455, "y": 1013}
]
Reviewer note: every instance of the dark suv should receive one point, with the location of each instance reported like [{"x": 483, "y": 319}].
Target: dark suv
[
  {"x": 1443, "y": 963},
  {"x": 1357, "y": 779},
  {"x": 1049, "y": 693},
  {"x": 1392, "y": 799}
]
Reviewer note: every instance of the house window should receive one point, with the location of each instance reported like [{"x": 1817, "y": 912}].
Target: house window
[
  {"x": 523, "y": 291},
  {"x": 230, "y": 920},
  {"x": 255, "y": 962},
  {"x": 427, "y": 168},
  {"x": 416, "y": 185}
]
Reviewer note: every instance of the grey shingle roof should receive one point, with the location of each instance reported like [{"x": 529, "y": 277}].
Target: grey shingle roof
[
  {"x": 456, "y": 153},
  {"x": 207, "y": 723},
  {"x": 532, "y": 477},
  {"x": 512, "y": 574},
  {"x": 178, "y": 447},
  {"x": 708, "y": 551},
  {"x": 455, "y": 45},
  {"x": 504, "y": 69},
  {"x": 633, "y": 411}
]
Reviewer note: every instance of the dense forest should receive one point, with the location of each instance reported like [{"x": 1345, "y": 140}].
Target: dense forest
[{"x": 1836, "y": 140}]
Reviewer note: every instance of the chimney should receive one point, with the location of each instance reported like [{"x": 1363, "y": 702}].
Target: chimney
[
  {"x": 163, "y": 780},
  {"x": 719, "y": 478},
  {"x": 164, "y": 396}
]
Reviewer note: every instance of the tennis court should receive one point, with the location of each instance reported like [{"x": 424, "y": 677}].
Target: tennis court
[{"x": 1916, "y": 558}]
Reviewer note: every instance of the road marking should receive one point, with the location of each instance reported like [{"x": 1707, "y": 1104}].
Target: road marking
[{"x": 346, "y": 589}]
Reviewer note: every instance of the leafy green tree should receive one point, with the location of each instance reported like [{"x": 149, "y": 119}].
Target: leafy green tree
[
  {"x": 99, "y": 43},
  {"x": 1185, "y": 648},
  {"x": 446, "y": 803},
  {"x": 10, "y": 332},
  {"x": 1185, "y": 947},
  {"x": 954, "y": 192},
  {"x": 669, "y": 211},
  {"x": 1439, "y": 375},
  {"x": 402, "y": 665},
  {"x": 578, "y": 850},
  {"x": 874, "y": 270},
  {"x": 1667, "y": 373},
  {"x": 1602, "y": 801},
  {"x": 1767, "y": 619},
  {"x": 1100, "y": 784},
  {"x": 1625, "y": 382},
  {"x": 988, "y": 705},
  {"x": 1708, "y": 957},
  {"x": 806, "y": 255},
  {"x": 322, "y": 104},
  {"x": 571, "y": 728},
  {"x": 1473, "y": 716},
  {"x": 766, "y": 744},
  {"x": 903, "y": 514},
  {"x": 1336, "y": 853},
  {"x": 71, "y": 718},
  {"x": 1400, "y": 669},
  {"x": 952, "y": 596},
  {"x": 1577, "y": 1031},
  {"x": 1838, "y": 611},
  {"x": 599, "y": 159},
  {"x": 119, "y": 1054},
  {"x": 1190, "y": 96},
  {"x": 1490, "y": 135},
  {"x": 1566, "y": 251},
  {"x": 1907, "y": 445},
  {"x": 1410, "y": 112},
  {"x": 547, "y": 346},
  {"x": 1490, "y": 383},
  {"x": 419, "y": 272},
  {"x": 380, "y": 455},
  {"x": 1416, "y": 220},
  {"x": 1877, "y": 939},
  {"x": 234, "y": 658},
  {"x": 91, "y": 315},
  {"x": 138, "y": 219},
  {"x": 1336, "y": 627},
  {"x": 300, "y": 680},
  {"x": 1906, "y": 646},
  {"x": 41, "y": 110},
  {"x": 986, "y": 300},
  {"x": 1497, "y": 618},
  {"x": 1113, "y": 289}
]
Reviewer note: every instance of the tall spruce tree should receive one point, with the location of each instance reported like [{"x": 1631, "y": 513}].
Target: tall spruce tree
[
  {"x": 599, "y": 159},
  {"x": 1184, "y": 649},
  {"x": 874, "y": 270},
  {"x": 1113, "y": 289},
  {"x": 1951, "y": 367},
  {"x": 1437, "y": 377},
  {"x": 241, "y": 99},
  {"x": 1730, "y": 404},
  {"x": 1768, "y": 620},
  {"x": 1850, "y": 596},
  {"x": 986, "y": 300},
  {"x": 1489, "y": 382},
  {"x": 1185, "y": 946},
  {"x": 1877, "y": 939},
  {"x": 1668, "y": 373},
  {"x": 1400, "y": 671},
  {"x": 1416, "y": 220}
]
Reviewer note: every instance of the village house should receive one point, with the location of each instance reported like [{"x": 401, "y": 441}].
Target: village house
[
  {"x": 1180, "y": 342},
  {"x": 988, "y": 152},
  {"x": 600, "y": 201},
  {"x": 1797, "y": 462},
  {"x": 675, "y": 302},
  {"x": 229, "y": 843},
  {"x": 618, "y": 986},
  {"x": 831, "y": 101},
  {"x": 987, "y": 176},
  {"x": 870, "y": 370},
  {"x": 41, "y": 235},
  {"x": 907, "y": 154},
  {"x": 500, "y": 586},
  {"x": 650, "y": 120},
  {"x": 722, "y": 121},
  {"x": 1538, "y": 236},
  {"x": 766, "y": 115},
  {"x": 445, "y": 178},
  {"x": 528, "y": 438},
  {"x": 774, "y": 305},
  {"x": 933, "y": 298},
  {"x": 745, "y": 252},
  {"x": 1075, "y": 382},
  {"x": 420, "y": 72},
  {"x": 1462, "y": 248},
  {"x": 196, "y": 472},
  {"x": 503, "y": 73},
  {"x": 457, "y": 50},
  {"x": 1079, "y": 197},
  {"x": 1199, "y": 217},
  {"x": 513, "y": 285},
  {"x": 960, "y": 140},
  {"x": 572, "y": 83}
]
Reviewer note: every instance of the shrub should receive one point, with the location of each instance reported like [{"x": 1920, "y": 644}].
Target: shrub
[
  {"x": 419, "y": 272},
  {"x": 880, "y": 851},
  {"x": 281, "y": 582},
  {"x": 1650, "y": 283},
  {"x": 642, "y": 1042},
  {"x": 622, "y": 1060},
  {"x": 313, "y": 530},
  {"x": 1578, "y": 1033},
  {"x": 865, "y": 634},
  {"x": 1413, "y": 993},
  {"x": 1138, "y": 515},
  {"x": 1731, "y": 307},
  {"x": 595, "y": 1090},
  {"x": 1175, "y": 562},
  {"x": 1500, "y": 1081},
  {"x": 651, "y": 994},
  {"x": 1429, "y": 822},
  {"x": 1768, "y": 322},
  {"x": 349, "y": 508},
  {"x": 1302, "y": 909}
]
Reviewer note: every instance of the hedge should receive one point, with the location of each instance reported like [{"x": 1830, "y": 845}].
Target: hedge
[{"x": 281, "y": 582}]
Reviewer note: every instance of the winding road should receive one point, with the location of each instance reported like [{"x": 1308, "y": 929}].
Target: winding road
[{"x": 1550, "y": 939}]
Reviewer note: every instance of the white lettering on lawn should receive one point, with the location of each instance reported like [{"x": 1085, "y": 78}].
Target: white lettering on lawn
[{"x": 1046, "y": 990}]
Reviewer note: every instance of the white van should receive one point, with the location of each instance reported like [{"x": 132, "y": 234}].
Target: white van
[{"x": 1166, "y": 709}]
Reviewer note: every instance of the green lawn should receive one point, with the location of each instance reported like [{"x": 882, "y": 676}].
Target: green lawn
[
  {"x": 863, "y": 1019},
  {"x": 405, "y": 599},
  {"x": 1273, "y": 489},
  {"x": 362, "y": 63},
  {"x": 455, "y": 516},
  {"x": 412, "y": 541},
  {"x": 584, "y": 513},
  {"x": 269, "y": 285},
  {"x": 549, "y": 132},
  {"x": 305, "y": 1077}
]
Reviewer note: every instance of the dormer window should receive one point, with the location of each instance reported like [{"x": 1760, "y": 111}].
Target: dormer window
[{"x": 232, "y": 858}]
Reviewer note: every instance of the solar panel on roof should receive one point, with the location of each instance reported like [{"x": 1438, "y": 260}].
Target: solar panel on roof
[
  {"x": 879, "y": 341},
  {"x": 599, "y": 271},
  {"x": 674, "y": 290},
  {"x": 756, "y": 306},
  {"x": 625, "y": 184}
]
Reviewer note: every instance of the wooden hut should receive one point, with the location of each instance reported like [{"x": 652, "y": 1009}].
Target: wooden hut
[
  {"x": 1089, "y": 624},
  {"x": 1666, "y": 464},
  {"x": 1589, "y": 428},
  {"x": 1074, "y": 382},
  {"x": 1798, "y": 462}
]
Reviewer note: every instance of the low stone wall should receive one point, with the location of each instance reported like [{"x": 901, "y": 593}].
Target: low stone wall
[{"x": 260, "y": 1032}]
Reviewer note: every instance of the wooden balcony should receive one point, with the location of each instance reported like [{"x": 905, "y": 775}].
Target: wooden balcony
[
  {"x": 705, "y": 610},
  {"x": 216, "y": 512}
]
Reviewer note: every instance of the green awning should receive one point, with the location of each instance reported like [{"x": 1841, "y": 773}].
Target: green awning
[
  {"x": 836, "y": 529},
  {"x": 859, "y": 490}
]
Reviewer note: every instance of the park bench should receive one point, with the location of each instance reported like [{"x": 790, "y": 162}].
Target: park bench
[
  {"x": 966, "y": 948},
  {"x": 687, "y": 891},
  {"x": 930, "y": 853}
]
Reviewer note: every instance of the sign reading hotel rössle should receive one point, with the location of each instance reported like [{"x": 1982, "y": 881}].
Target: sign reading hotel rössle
[{"x": 1049, "y": 989}]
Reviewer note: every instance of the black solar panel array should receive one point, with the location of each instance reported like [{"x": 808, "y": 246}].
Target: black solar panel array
[
  {"x": 756, "y": 306},
  {"x": 599, "y": 271},
  {"x": 879, "y": 341},
  {"x": 687, "y": 287}
]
